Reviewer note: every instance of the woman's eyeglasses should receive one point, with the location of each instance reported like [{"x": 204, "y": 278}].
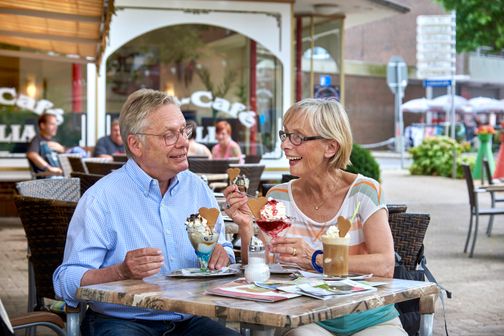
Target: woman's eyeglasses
[
  {"x": 297, "y": 139},
  {"x": 171, "y": 137}
]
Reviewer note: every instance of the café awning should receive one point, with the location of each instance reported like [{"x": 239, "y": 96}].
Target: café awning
[{"x": 67, "y": 30}]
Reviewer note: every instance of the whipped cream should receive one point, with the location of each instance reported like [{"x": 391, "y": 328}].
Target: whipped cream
[
  {"x": 273, "y": 211},
  {"x": 332, "y": 232},
  {"x": 196, "y": 223}
]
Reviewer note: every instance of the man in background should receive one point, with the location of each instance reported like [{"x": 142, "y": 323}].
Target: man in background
[
  {"x": 42, "y": 153},
  {"x": 111, "y": 144}
]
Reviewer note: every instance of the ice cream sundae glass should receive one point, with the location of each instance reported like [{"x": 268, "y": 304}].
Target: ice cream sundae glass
[
  {"x": 200, "y": 229},
  {"x": 271, "y": 217}
]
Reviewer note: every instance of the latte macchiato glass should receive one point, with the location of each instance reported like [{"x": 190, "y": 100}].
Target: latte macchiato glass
[{"x": 335, "y": 262}]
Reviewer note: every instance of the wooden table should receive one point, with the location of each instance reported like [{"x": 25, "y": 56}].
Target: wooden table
[{"x": 188, "y": 296}]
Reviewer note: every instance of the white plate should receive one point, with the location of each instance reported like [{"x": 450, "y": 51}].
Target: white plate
[{"x": 197, "y": 273}]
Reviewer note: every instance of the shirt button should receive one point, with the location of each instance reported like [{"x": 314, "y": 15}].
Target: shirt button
[
  {"x": 172, "y": 259},
  {"x": 167, "y": 232}
]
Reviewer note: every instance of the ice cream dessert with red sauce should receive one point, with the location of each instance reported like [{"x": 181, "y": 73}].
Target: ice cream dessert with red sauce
[{"x": 273, "y": 218}]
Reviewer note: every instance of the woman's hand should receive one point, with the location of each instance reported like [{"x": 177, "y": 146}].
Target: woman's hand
[
  {"x": 294, "y": 251},
  {"x": 237, "y": 209}
]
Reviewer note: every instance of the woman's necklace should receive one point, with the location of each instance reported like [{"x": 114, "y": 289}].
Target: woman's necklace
[{"x": 317, "y": 207}]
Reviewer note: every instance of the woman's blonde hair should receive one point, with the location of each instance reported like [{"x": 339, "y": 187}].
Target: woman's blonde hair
[{"x": 329, "y": 119}]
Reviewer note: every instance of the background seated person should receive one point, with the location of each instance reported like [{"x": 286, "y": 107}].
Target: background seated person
[
  {"x": 130, "y": 224},
  {"x": 42, "y": 153},
  {"x": 225, "y": 148},
  {"x": 110, "y": 144},
  {"x": 195, "y": 148},
  {"x": 317, "y": 141}
]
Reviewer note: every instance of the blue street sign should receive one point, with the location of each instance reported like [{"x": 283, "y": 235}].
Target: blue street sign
[
  {"x": 437, "y": 83},
  {"x": 325, "y": 80}
]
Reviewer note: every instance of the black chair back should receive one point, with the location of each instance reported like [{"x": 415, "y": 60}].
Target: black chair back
[
  {"x": 120, "y": 157},
  {"x": 86, "y": 180},
  {"x": 470, "y": 185},
  {"x": 102, "y": 168},
  {"x": 253, "y": 173},
  {"x": 77, "y": 164},
  {"x": 206, "y": 166}
]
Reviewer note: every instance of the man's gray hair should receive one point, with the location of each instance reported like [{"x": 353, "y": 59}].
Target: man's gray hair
[{"x": 139, "y": 105}]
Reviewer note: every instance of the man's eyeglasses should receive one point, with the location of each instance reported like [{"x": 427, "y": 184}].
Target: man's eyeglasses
[
  {"x": 171, "y": 137},
  {"x": 297, "y": 139}
]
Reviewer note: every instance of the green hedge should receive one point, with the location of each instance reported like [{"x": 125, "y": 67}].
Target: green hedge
[
  {"x": 434, "y": 156},
  {"x": 362, "y": 162}
]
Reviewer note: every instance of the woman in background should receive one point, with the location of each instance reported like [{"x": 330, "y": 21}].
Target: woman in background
[
  {"x": 225, "y": 148},
  {"x": 195, "y": 148}
]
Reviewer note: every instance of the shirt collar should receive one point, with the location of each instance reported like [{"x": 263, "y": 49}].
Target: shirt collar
[{"x": 146, "y": 183}]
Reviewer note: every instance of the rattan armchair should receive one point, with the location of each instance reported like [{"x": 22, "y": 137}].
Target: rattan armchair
[
  {"x": 253, "y": 172},
  {"x": 65, "y": 163},
  {"x": 45, "y": 222},
  {"x": 29, "y": 320},
  {"x": 86, "y": 180},
  {"x": 65, "y": 189},
  {"x": 207, "y": 166},
  {"x": 102, "y": 168},
  {"x": 408, "y": 231}
]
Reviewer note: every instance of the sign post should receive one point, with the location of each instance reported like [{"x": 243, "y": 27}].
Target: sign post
[
  {"x": 436, "y": 59},
  {"x": 397, "y": 80}
]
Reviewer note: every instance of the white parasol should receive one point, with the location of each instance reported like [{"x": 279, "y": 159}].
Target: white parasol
[
  {"x": 420, "y": 105},
  {"x": 444, "y": 103},
  {"x": 486, "y": 105}
]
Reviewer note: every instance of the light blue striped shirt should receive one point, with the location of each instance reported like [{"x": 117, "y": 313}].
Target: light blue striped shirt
[{"x": 125, "y": 211}]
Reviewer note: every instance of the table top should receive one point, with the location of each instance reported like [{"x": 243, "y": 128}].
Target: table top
[
  {"x": 187, "y": 295},
  {"x": 493, "y": 187}
]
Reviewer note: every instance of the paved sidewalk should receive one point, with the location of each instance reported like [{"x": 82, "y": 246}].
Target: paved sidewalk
[{"x": 477, "y": 307}]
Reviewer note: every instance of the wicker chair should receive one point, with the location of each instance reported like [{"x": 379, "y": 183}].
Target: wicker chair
[
  {"x": 65, "y": 163},
  {"x": 408, "y": 231},
  {"x": 45, "y": 223},
  {"x": 253, "y": 172},
  {"x": 29, "y": 320},
  {"x": 102, "y": 168},
  {"x": 206, "y": 166},
  {"x": 77, "y": 164},
  {"x": 86, "y": 180},
  {"x": 64, "y": 189}
]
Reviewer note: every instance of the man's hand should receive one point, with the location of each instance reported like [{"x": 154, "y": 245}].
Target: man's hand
[
  {"x": 141, "y": 263},
  {"x": 54, "y": 170},
  {"x": 219, "y": 258},
  {"x": 55, "y": 146}
]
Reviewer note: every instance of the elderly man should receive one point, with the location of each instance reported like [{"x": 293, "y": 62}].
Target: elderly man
[
  {"x": 130, "y": 224},
  {"x": 42, "y": 152},
  {"x": 110, "y": 144}
]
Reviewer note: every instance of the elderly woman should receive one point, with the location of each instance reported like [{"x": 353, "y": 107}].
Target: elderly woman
[{"x": 317, "y": 141}]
